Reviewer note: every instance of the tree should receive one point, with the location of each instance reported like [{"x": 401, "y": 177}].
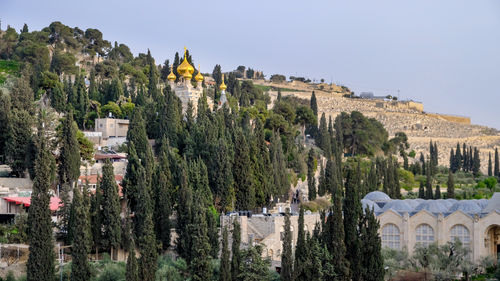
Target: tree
[
  {"x": 437, "y": 194},
  {"x": 323, "y": 137},
  {"x": 496, "y": 170},
  {"x": 476, "y": 162},
  {"x": 132, "y": 270},
  {"x": 242, "y": 173},
  {"x": 372, "y": 263},
  {"x": 301, "y": 251},
  {"x": 428, "y": 182},
  {"x": 286, "y": 256},
  {"x": 253, "y": 267},
  {"x": 352, "y": 211},
  {"x": 280, "y": 173},
  {"x": 111, "y": 222},
  {"x": 200, "y": 266},
  {"x": 236, "y": 259},
  {"x": 19, "y": 138},
  {"x": 5, "y": 107},
  {"x": 490, "y": 166},
  {"x": 163, "y": 191},
  {"x": 184, "y": 216},
  {"x": 80, "y": 268},
  {"x": 450, "y": 192},
  {"x": 225, "y": 262},
  {"x": 421, "y": 190},
  {"x": 311, "y": 180},
  {"x": 40, "y": 265},
  {"x": 69, "y": 157}
]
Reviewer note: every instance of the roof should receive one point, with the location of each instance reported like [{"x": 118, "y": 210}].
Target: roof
[
  {"x": 377, "y": 196},
  {"x": 93, "y": 179},
  {"x": 108, "y": 156},
  {"x": 55, "y": 202}
]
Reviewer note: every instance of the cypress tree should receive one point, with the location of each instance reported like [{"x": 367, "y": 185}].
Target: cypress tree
[
  {"x": 452, "y": 160},
  {"x": 153, "y": 78},
  {"x": 223, "y": 181},
  {"x": 311, "y": 180},
  {"x": 372, "y": 264},
  {"x": 490, "y": 166},
  {"x": 424, "y": 165},
  {"x": 437, "y": 194},
  {"x": 372, "y": 180},
  {"x": 352, "y": 212},
  {"x": 200, "y": 266},
  {"x": 421, "y": 190},
  {"x": 262, "y": 162},
  {"x": 458, "y": 158},
  {"x": 184, "y": 217},
  {"x": 163, "y": 190},
  {"x": 225, "y": 262},
  {"x": 18, "y": 141},
  {"x": 111, "y": 222},
  {"x": 5, "y": 108},
  {"x": 323, "y": 138},
  {"x": 313, "y": 129},
  {"x": 96, "y": 217},
  {"x": 450, "y": 192},
  {"x": 496, "y": 170},
  {"x": 145, "y": 230},
  {"x": 301, "y": 252},
  {"x": 245, "y": 193},
  {"x": 132, "y": 268},
  {"x": 476, "y": 162},
  {"x": 40, "y": 265},
  {"x": 396, "y": 193},
  {"x": 322, "y": 183},
  {"x": 313, "y": 269},
  {"x": 280, "y": 173},
  {"x": 286, "y": 256},
  {"x": 235, "y": 249},
  {"x": 428, "y": 183},
  {"x": 80, "y": 268}
]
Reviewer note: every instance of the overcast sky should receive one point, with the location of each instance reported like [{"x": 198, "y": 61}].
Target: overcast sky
[{"x": 443, "y": 53}]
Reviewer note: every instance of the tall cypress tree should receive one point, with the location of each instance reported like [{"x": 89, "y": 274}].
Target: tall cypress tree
[
  {"x": 437, "y": 194},
  {"x": 286, "y": 256},
  {"x": 421, "y": 190},
  {"x": 322, "y": 180},
  {"x": 200, "y": 266},
  {"x": 428, "y": 182},
  {"x": 40, "y": 265},
  {"x": 235, "y": 249},
  {"x": 323, "y": 138},
  {"x": 453, "y": 161},
  {"x": 450, "y": 191},
  {"x": 301, "y": 251},
  {"x": 496, "y": 170},
  {"x": 458, "y": 158},
  {"x": 311, "y": 180},
  {"x": 111, "y": 222},
  {"x": 243, "y": 181},
  {"x": 372, "y": 180},
  {"x": 225, "y": 262},
  {"x": 313, "y": 129},
  {"x": 96, "y": 217},
  {"x": 490, "y": 166},
  {"x": 352, "y": 212},
  {"x": 80, "y": 268},
  {"x": 476, "y": 162},
  {"x": 132, "y": 270},
  {"x": 372, "y": 263},
  {"x": 280, "y": 173},
  {"x": 184, "y": 216},
  {"x": 163, "y": 191}
]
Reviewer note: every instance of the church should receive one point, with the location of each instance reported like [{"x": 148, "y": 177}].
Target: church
[{"x": 188, "y": 93}]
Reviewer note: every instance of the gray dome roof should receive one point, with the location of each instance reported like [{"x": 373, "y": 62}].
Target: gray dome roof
[
  {"x": 432, "y": 206},
  {"x": 482, "y": 203},
  {"x": 466, "y": 206},
  {"x": 398, "y": 206},
  {"x": 377, "y": 196},
  {"x": 370, "y": 204},
  {"x": 447, "y": 203},
  {"x": 413, "y": 202}
]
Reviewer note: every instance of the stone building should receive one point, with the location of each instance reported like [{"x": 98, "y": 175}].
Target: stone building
[{"x": 407, "y": 223}]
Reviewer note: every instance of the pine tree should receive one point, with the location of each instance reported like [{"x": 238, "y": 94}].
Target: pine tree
[
  {"x": 286, "y": 256},
  {"x": 352, "y": 212},
  {"x": 225, "y": 262},
  {"x": 40, "y": 265},
  {"x": 80, "y": 268},
  {"x": 496, "y": 170},
  {"x": 111, "y": 222},
  {"x": 235, "y": 249},
  {"x": 437, "y": 194},
  {"x": 450, "y": 192},
  {"x": 311, "y": 180}
]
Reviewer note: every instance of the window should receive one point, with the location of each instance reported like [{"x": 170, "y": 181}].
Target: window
[
  {"x": 425, "y": 235},
  {"x": 461, "y": 233},
  {"x": 391, "y": 236}
]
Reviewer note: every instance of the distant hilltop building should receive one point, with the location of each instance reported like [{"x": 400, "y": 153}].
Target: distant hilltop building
[{"x": 186, "y": 92}]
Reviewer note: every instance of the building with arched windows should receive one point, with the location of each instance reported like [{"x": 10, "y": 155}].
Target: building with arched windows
[{"x": 413, "y": 222}]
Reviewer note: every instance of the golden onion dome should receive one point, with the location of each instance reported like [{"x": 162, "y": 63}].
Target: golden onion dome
[
  {"x": 185, "y": 69},
  {"x": 198, "y": 76},
  {"x": 223, "y": 86},
  {"x": 171, "y": 76}
]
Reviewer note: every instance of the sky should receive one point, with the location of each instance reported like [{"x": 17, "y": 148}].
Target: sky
[{"x": 445, "y": 54}]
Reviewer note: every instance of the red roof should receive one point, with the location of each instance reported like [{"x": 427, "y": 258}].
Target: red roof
[
  {"x": 55, "y": 202},
  {"x": 93, "y": 179},
  {"x": 108, "y": 156}
]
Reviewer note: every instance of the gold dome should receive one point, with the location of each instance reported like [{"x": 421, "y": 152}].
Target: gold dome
[
  {"x": 198, "y": 76},
  {"x": 171, "y": 76},
  {"x": 223, "y": 86},
  {"x": 185, "y": 69}
]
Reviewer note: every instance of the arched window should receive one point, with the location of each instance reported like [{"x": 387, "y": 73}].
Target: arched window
[
  {"x": 391, "y": 236},
  {"x": 461, "y": 233},
  {"x": 425, "y": 235}
]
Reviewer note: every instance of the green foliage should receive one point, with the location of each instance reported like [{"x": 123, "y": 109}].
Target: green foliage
[
  {"x": 286, "y": 256},
  {"x": 253, "y": 267},
  {"x": 80, "y": 268},
  {"x": 8, "y": 68}
]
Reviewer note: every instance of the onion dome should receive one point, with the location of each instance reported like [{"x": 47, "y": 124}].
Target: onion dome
[
  {"x": 223, "y": 86},
  {"x": 171, "y": 76},
  {"x": 185, "y": 69},
  {"x": 198, "y": 76}
]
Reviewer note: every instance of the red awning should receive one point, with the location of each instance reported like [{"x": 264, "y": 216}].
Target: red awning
[{"x": 55, "y": 202}]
